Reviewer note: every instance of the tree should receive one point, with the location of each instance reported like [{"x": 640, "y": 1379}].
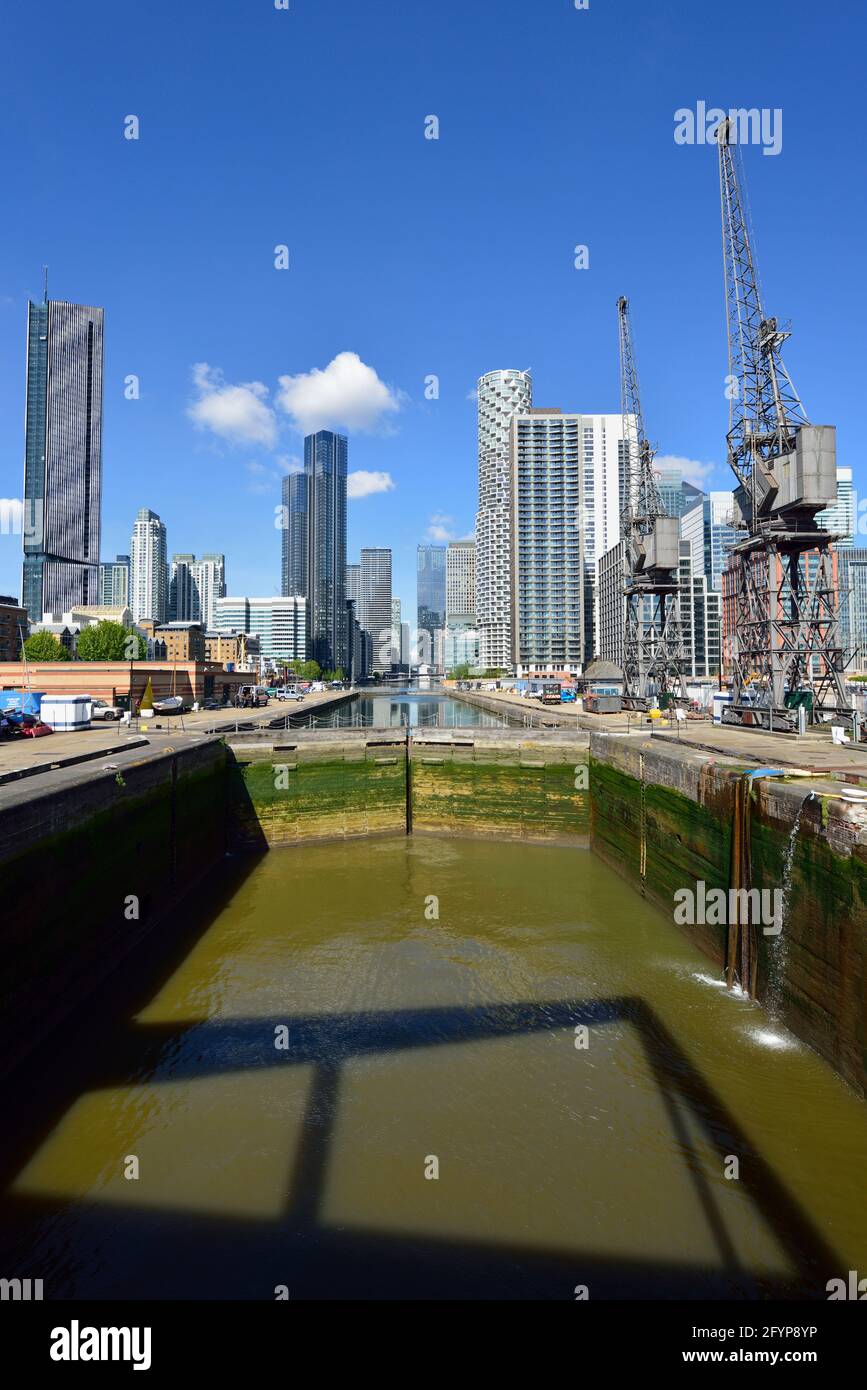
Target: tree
[
  {"x": 44, "y": 646},
  {"x": 108, "y": 641},
  {"x": 307, "y": 670},
  {"x": 460, "y": 673},
  {"x": 147, "y": 700}
]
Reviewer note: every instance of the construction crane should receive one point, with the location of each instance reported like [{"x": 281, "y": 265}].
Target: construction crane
[
  {"x": 785, "y": 635},
  {"x": 653, "y": 656}
]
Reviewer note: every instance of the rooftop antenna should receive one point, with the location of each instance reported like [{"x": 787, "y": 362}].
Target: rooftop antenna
[{"x": 45, "y": 283}]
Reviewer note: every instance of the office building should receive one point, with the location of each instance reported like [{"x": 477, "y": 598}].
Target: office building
[
  {"x": 547, "y": 560},
  {"x": 501, "y": 395},
  {"x": 114, "y": 582},
  {"x": 430, "y": 597},
  {"x": 700, "y": 612},
  {"x": 148, "y": 569},
  {"x": 852, "y": 581},
  {"x": 840, "y": 518},
  {"x": 375, "y": 604},
  {"x": 461, "y": 579},
  {"x": 675, "y": 493},
  {"x": 62, "y": 456},
  {"x": 707, "y": 526},
  {"x": 325, "y": 462},
  {"x": 353, "y": 585},
  {"x": 279, "y": 623}
]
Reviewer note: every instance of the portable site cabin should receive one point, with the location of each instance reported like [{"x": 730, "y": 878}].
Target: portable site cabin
[{"x": 66, "y": 713}]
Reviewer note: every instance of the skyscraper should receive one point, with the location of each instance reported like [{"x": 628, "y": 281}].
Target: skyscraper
[
  {"x": 604, "y": 478},
  {"x": 182, "y": 596},
  {"x": 460, "y": 580},
  {"x": 62, "y": 457},
  {"x": 194, "y": 587},
  {"x": 840, "y": 518},
  {"x": 353, "y": 586},
  {"x": 148, "y": 570},
  {"x": 707, "y": 525},
  {"x": 325, "y": 458},
  {"x": 294, "y": 534},
  {"x": 430, "y": 597},
  {"x": 114, "y": 582},
  {"x": 548, "y": 582},
  {"x": 375, "y": 609},
  {"x": 502, "y": 395}
]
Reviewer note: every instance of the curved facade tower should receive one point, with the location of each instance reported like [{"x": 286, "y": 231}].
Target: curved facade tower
[{"x": 502, "y": 395}]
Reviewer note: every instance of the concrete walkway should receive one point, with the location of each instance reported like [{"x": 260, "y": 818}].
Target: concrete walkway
[{"x": 37, "y": 757}]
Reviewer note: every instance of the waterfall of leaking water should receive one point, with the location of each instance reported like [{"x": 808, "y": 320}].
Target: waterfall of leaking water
[
  {"x": 779, "y": 945},
  {"x": 741, "y": 957}
]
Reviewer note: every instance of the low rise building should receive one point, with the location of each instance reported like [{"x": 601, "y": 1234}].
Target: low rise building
[
  {"x": 13, "y": 622},
  {"x": 110, "y": 680},
  {"x": 239, "y": 651}
]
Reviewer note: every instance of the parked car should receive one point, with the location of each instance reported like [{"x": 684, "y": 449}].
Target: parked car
[
  {"x": 251, "y": 697},
  {"x": 290, "y": 692},
  {"x": 101, "y": 709}
]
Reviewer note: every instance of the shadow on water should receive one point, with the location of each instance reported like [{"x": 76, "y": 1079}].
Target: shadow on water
[{"x": 185, "y": 1254}]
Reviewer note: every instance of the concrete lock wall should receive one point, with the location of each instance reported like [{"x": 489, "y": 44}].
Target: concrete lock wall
[
  {"x": 680, "y": 806},
  {"x": 302, "y": 786},
  {"x": 88, "y": 869}
]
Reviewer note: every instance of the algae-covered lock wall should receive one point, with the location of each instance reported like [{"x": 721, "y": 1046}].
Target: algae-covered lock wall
[
  {"x": 501, "y": 782},
  {"x": 88, "y": 868},
  {"x": 663, "y": 816},
  {"x": 290, "y": 788},
  {"x": 296, "y": 787}
]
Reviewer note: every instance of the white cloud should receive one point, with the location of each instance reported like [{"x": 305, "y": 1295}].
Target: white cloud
[
  {"x": 239, "y": 413},
  {"x": 347, "y": 393},
  {"x": 693, "y": 471},
  {"x": 363, "y": 484},
  {"x": 290, "y": 463},
  {"x": 441, "y": 528}
]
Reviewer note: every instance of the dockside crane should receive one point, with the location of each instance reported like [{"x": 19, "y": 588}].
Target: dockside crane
[
  {"x": 653, "y": 655},
  {"x": 785, "y": 647}
]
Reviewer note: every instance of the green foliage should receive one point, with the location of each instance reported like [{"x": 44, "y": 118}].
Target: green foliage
[
  {"x": 147, "y": 700},
  {"x": 337, "y": 675},
  {"x": 108, "y": 641},
  {"x": 461, "y": 672},
  {"x": 307, "y": 670},
  {"x": 45, "y": 646}
]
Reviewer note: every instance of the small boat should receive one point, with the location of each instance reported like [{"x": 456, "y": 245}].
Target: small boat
[{"x": 172, "y": 704}]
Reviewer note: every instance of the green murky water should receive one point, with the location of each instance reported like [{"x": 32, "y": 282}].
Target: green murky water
[{"x": 415, "y": 1043}]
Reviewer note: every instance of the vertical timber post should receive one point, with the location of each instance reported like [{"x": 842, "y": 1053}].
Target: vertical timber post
[{"x": 408, "y": 781}]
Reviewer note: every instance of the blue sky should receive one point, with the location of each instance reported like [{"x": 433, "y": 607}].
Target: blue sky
[{"x": 261, "y": 127}]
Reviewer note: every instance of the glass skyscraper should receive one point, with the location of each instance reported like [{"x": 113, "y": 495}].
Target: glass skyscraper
[
  {"x": 325, "y": 460},
  {"x": 62, "y": 457},
  {"x": 375, "y": 605},
  {"x": 294, "y": 556},
  {"x": 431, "y": 596}
]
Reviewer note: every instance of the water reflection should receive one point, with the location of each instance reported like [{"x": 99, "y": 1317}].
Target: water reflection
[{"x": 406, "y": 708}]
